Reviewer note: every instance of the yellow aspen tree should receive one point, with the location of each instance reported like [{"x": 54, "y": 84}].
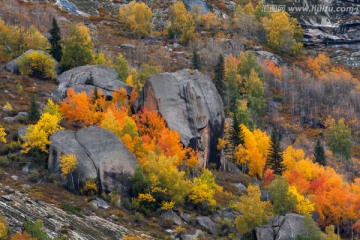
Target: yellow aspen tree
[
  {"x": 291, "y": 156},
  {"x": 254, "y": 151},
  {"x": 303, "y": 205},
  {"x": 37, "y": 136},
  {"x": 37, "y": 64},
  {"x": 2, "y": 134},
  {"x": 110, "y": 123},
  {"x": 68, "y": 164},
  {"x": 254, "y": 212},
  {"x": 182, "y": 23},
  {"x": 78, "y": 49},
  {"x": 137, "y": 18},
  {"x": 204, "y": 189},
  {"x": 53, "y": 109},
  {"x": 284, "y": 34}
]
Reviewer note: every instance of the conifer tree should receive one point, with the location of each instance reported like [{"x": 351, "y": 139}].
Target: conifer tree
[
  {"x": 90, "y": 79},
  {"x": 319, "y": 153},
  {"x": 275, "y": 154},
  {"x": 237, "y": 133},
  {"x": 196, "y": 61},
  {"x": 96, "y": 94},
  {"x": 219, "y": 78},
  {"x": 33, "y": 112},
  {"x": 56, "y": 49}
]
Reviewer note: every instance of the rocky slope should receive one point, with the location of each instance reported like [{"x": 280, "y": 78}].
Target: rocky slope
[
  {"x": 17, "y": 205},
  {"x": 331, "y": 24}
]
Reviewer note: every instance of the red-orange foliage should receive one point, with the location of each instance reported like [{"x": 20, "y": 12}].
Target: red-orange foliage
[
  {"x": 150, "y": 123},
  {"x": 21, "y": 236},
  {"x": 269, "y": 176},
  {"x": 318, "y": 65},
  {"x": 322, "y": 68},
  {"x": 81, "y": 107},
  {"x": 270, "y": 68},
  {"x": 335, "y": 199},
  {"x": 356, "y": 227},
  {"x": 148, "y": 134},
  {"x": 156, "y": 136}
]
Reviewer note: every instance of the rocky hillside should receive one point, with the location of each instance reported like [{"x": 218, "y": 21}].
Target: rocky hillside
[
  {"x": 327, "y": 24},
  {"x": 226, "y": 127}
]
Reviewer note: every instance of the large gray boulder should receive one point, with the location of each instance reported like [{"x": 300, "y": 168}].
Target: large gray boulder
[
  {"x": 292, "y": 226},
  {"x": 191, "y": 105},
  {"x": 14, "y": 67},
  {"x": 100, "y": 155},
  {"x": 286, "y": 227},
  {"x": 171, "y": 215},
  {"x": 264, "y": 233},
  {"x": 207, "y": 224},
  {"x": 79, "y": 79}
]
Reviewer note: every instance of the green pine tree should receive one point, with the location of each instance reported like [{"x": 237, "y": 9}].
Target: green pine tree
[
  {"x": 319, "y": 153},
  {"x": 33, "y": 112},
  {"x": 56, "y": 49},
  {"x": 219, "y": 78},
  {"x": 275, "y": 155},
  {"x": 96, "y": 95},
  {"x": 196, "y": 61},
  {"x": 237, "y": 133},
  {"x": 90, "y": 79}
]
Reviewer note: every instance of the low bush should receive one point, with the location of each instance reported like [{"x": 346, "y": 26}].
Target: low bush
[{"x": 37, "y": 64}]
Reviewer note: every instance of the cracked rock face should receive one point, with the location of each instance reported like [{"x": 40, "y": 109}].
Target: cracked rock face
[
  {"x": 330, "y": 23},
  {"x": 191, "y": 105},
  {"x": 79, "y": 79},
  {"x": 20, "y": 206},
  {"x": 286, "y": 227},
  {"x": 100, "y": 155}
]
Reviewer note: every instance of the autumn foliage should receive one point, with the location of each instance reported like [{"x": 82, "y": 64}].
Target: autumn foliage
[
  {"x": 270, "y": 69},
  {"x": 321, "y": 67},
  {"x": 157, "y": 148},
  {"x": 37, "y": 64},
  {"x": 2, "y": 134},
  {"x": 284, "y": 34},
  {"x": 334, "y": 199},
  {"x": 80, "y": 107},
  {"x": 37, "y": 135},
  {"x": 254, "y": 152},
  {"x": 15, "y": 40},
  {"x": 21, "y": 236},
  {"x": 137, "y": 18}
]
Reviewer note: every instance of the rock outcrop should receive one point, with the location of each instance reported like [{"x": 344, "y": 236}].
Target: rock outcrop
[
  {"x": 14, "y": 67},
  {"x": 86, "y": 78},
  {"x": 15, "y": 206},
  {"x": 86, "y": 8},
  {"x": 191, "y": 105},
  {"x": 282, "y": 228},
  {"x": 329, "y": 23},
  {"x": 100, "y": 155}
]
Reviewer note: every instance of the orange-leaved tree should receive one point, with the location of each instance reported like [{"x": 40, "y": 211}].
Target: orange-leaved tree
[
  {"x": 82, "y": 107},
  {"x": 157, "y": 137}
]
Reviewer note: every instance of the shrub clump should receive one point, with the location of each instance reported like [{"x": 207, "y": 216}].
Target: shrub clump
[{"x": 37, "y": 64}]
